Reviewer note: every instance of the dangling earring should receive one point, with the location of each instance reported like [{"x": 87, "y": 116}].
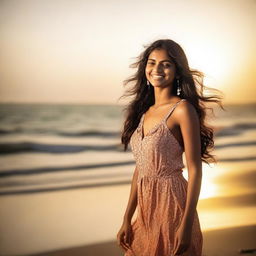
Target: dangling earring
[
  {"x": 148, "y": 83},
  {"x": 178, "y": 87}
]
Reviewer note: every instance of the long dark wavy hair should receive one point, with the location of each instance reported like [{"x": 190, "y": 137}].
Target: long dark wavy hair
[{"x": 192, "y": 89}]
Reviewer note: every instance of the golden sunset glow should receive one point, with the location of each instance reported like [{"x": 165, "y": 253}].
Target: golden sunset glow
[{"x": 208, "y": 187}]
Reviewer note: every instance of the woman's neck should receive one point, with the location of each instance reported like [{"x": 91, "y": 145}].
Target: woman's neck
[{"x": 163, "y": 97}]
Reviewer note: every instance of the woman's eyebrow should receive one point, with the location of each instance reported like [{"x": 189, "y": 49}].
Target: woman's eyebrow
[{"x": 162, "y": 60}]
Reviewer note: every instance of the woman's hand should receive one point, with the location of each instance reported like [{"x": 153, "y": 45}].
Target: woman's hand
[
  {"x": 182, "y": 239},
  {"x": 124, "y": 235}
]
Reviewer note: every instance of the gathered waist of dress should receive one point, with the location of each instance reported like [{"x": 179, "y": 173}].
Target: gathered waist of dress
[{"x": 173, "y": 174}]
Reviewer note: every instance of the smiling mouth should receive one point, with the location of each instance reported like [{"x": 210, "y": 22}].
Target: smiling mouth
[{"x": 157, "y": 77}]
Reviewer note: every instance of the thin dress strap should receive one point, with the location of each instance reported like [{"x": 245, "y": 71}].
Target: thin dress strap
[{"x": 172, "y": 108}]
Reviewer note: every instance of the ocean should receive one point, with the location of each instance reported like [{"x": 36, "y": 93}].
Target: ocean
[{"x": 54, "y": 147}]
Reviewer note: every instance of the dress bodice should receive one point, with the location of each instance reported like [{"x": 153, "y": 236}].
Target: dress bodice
[{"x": 158, "y": 152}]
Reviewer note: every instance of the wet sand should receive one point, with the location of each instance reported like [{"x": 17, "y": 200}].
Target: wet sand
[
  {"x": 222, "y": 242},
  {"x": 72, "y": 222}
]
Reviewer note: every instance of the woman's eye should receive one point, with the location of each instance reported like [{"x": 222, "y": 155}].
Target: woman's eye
[{"x": 164, "y": 65}]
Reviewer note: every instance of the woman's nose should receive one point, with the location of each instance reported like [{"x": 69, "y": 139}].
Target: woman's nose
[{"x": 157, "y": 68}]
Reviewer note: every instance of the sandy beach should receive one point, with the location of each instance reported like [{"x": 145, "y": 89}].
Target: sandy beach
[
  {"x": 221, "y": 242},
  {"x": 85, "y": 221}
]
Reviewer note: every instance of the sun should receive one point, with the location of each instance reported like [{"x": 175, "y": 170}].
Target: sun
[
  {"x": 213, "y": 61},
  {"x": 208, "y": 187}
]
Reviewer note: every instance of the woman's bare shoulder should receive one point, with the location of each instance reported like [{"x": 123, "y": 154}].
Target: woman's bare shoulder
[
  {"x": 185, "y": 110},
  {"x": 186, "y": 106}
]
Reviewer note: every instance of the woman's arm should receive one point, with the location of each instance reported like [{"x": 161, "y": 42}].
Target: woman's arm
[
  {"x": 190, "y": 129},
  {"x": 132, "y": 203}
]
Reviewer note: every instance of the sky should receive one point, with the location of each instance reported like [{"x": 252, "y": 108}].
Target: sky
[{"x": 59, "y": 51}]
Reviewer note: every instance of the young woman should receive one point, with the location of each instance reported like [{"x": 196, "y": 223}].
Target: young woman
[{"x": 165, "y": 119}]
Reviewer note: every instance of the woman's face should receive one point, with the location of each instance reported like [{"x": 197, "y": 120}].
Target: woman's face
[{"x": 160, "y": 70}]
